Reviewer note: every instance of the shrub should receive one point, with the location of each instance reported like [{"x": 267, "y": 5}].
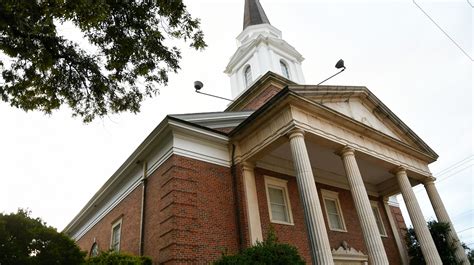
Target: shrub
[
  {"x": 270, "y": 251},
  {"x": 113, "y": 258}
]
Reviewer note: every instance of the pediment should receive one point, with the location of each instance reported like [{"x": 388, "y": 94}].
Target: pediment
[
  {"x": 363, "y": 107},
  {"x": 362, "y": 113}
]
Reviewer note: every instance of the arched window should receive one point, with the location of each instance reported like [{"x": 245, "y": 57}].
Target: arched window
[
  {"x": 284, "y": 69},
  {"x": 248, "y": 75},
  {"x": 94, "y": 250}
]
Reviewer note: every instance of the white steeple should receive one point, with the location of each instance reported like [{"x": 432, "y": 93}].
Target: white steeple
[{"x": 261, "y": 49}]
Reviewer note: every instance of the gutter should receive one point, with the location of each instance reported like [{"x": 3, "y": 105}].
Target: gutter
[{"x": 142, "y": 216}]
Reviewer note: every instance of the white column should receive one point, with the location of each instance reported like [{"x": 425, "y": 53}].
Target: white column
[
  {"x": 317, "y": 234},
  {"x": 370, "y": 230},
  {"x": 253, "y": 213},
  {"x": 443, "y": 216},
  {"x": 423, "y": 235}
]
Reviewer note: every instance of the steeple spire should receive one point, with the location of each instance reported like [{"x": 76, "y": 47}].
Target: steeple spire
[{"x": 254, "y": 14}]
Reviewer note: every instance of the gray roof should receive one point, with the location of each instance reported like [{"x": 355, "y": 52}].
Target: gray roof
[{"x": 254, "y": 14}]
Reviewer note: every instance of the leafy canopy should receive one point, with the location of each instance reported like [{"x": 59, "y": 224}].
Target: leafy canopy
[
  {"x": 42, "y": 70},
  {"x": 269, "y": 252},
  {"x": 28, "y": 241},
  {"x": 439, "y": 232}
]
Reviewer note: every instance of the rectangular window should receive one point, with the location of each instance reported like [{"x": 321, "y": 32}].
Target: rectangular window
[
  {"x": 115, "y": 238},
  {"x": 278, "y": 201},
  {"x": 333, "y": 211},
  {"x": 378, "y": 218}
]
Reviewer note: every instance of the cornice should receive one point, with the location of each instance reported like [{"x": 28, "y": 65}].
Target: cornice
[
  {"x": 160, "y": 140},
  {"x": 247, "y": 48}
]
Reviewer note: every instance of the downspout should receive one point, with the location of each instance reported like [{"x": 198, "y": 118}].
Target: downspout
[
  {"x": 237, "y": 199},
  {"x": 142, "y": 216}
]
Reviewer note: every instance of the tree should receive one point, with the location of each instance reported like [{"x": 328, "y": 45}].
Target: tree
[
  {"x": 42, "y": 70},
  {"x": 439, "y": 233},
  {"x": 28, "y": 241},
  {"x": 270, "y": 252},
  {"x": 470, "y": 256}
]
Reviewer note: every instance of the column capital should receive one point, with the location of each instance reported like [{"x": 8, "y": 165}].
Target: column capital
[
  {"x": 429, "y": 182},
  {"x": 247, "y": 165},
  {"x": 345, "y": 151},
  {"x": 295, "y": 132},
  {"x": 399, "y": 170}
]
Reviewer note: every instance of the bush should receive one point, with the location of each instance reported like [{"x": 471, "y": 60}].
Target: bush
[
  {"x": 270, "y": 251},
  {"x": 113, "y": 258}
]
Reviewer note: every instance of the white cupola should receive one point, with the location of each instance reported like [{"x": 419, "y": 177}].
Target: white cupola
[{"x": 261, "y": 49}]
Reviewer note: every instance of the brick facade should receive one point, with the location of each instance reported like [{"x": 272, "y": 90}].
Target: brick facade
[
  {"x": 191, "y": 216},
  {"x": 129, "y": 211},
  {"x": 296, "y": 234}
]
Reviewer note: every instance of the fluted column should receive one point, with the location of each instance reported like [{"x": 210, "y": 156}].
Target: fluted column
[
  {"x": 370, "y": 230},
  {"x": 253, "y": 213},
  {"x": 428, "y": 247},
  {"x": 317, "y": 234},
  {"x": 443, "y": 216}
]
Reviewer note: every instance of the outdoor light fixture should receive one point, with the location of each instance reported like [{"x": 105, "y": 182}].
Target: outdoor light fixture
[
  {"x": 339, "y": 65},
  {"x": 198, "y": 86}
]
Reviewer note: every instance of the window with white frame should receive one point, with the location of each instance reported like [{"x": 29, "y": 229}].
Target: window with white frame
[
  {"x": 378, "y": 218},
  {"x": 333, "y": 211},
  {"x": 279, "y": 205},
  {"x": 115, "y": 237},
  {"x": 248, "y": 75},
  {"x": 94, "y": 250},
  {"x": 284, "y": 69}
]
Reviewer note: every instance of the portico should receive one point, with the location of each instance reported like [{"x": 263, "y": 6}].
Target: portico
[{"x": 302, "y": 134}]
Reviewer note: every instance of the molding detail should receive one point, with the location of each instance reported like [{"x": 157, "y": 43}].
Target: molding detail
[{"x": 347, "y": 253}]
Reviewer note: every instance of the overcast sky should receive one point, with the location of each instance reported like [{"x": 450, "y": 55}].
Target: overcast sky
[{"x": 53, "y": 164}]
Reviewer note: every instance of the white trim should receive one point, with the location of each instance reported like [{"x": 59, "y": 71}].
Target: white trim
[
  {"x": 282, "y": 184},
  {"x": 168, "y": 138},
  {"x": 375, "y": 204},
  {"x": 251, "y": 199},
  {"x": 332, "y": 195},
  {"x": 114, "y": 225}
]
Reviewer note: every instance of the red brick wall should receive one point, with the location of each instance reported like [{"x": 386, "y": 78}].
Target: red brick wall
[
  {"x": 129, "y": 211},
  {"x": 262, "y": 98},
  {"x": 296, "y": 234},
  {"x": 186, "y": 200},
  {"x": 399, "y": 221},
  {"x": 190, "y": 215}
]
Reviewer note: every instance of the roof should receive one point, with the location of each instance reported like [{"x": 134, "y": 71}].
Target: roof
[
  {"x": 214, "y": 120},
  {"x": 254, "y": 14}
]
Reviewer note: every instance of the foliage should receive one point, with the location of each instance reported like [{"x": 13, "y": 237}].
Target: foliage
[
  {"x": 28, "y": 241},
  {"x": 439, "y": 232},
  {"x": 113, "y": 258},
  {"x": 470, "y": 256},
  {"x": 129, "y": 53},
  {"x": 270, "y": 251}
]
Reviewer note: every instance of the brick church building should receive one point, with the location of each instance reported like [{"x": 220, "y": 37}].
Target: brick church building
[{"x": 320, "y": 164}]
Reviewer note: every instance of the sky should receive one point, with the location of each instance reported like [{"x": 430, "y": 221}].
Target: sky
[{"x": 53, "y": 164}]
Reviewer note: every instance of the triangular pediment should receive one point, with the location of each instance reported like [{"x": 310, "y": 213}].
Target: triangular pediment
[
  {"x": 360, "y": 105},
  {"x": 357, "y": 110}
]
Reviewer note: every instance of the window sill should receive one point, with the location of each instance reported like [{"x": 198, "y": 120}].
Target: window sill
[
  {"x": 338, "y": 230},
  {"x": 281, "y": 222}
]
